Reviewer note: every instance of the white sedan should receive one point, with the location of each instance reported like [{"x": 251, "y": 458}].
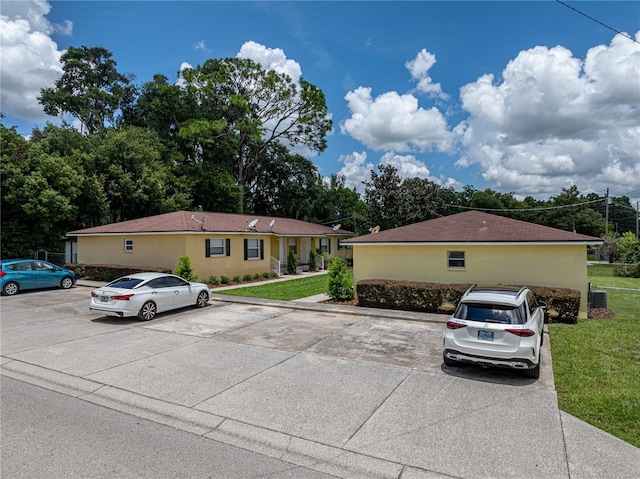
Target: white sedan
[{"x": 146, "y": 294}]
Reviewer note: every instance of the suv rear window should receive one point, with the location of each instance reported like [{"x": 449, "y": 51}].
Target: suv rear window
[
  {"x": 125, "y": 283},
  {"x": 490, "y": 313}
]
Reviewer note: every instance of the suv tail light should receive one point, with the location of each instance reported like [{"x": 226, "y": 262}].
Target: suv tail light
[
  {"x": 455, "y": 325},
  {"x": 2, "y": 273},
  {"x": 523, "y": 333}
]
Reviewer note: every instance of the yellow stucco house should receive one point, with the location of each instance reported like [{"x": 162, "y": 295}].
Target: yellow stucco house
[
  {"x": 476, "y": 247},
  {"x": 218, "y": 244}
]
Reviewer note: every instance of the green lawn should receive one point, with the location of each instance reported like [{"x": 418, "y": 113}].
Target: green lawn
[
  {"x": 285, "y": 290},
  {"x": 596, "y": 362}
]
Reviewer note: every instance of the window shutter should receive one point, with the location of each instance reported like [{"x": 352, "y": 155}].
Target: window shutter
[
  {"x": 261, "y": 249},
  {"x": 246, "y": 247},
  {"x": 228, "y": 246},
  {"x": 207, "y": 248},
  {"x": 329, "y": 245}
]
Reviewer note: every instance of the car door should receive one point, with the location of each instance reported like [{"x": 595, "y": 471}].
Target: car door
[
  {"x": 46, "y": 275},
  {"x": 161, "y": 293},
  {"x": 24, "y": 274},
  {"x": 181, "y": 292},
  {"x": 536, "y": 313}
]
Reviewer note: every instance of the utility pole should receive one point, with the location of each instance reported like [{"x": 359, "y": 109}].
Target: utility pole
[
  {"x": 606, "y": 221},
  {"x": 637, "y": 220}
]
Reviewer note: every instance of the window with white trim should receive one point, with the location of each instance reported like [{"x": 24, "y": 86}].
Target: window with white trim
[
  {"x": 217, "y": 247},
  {"x": 293, "y": 246},
  {"x": 251, "y": 249},
  {"x": 456, "y": 259},
  {"x": 128, "y": 246},
  {"x": 325, "y": 245}
]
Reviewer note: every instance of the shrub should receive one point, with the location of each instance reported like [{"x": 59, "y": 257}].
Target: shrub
[
  {"x": 213, "y": 280},
  {"x": 257, "y": 276},
  {"x": 266, "y": 274},
  {"x": 247, "y": 277},
  {"x": 313, "y": 265},
  {"x": 340, "y": 283},
  {"x": 224, "y": 279},
  {"x": 431, "y": 297},
  {"x": 184, "y": 269},
  {"x": 236, "y": 279},
  {"x": 273, "y": 274},
  {"x": 292, "y": 264},
  {"x": 109, "y": 272}
]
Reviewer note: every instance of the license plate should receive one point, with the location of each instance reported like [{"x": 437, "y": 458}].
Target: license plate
[
  {"x": 486, "y": 335},
  {"x": 104, "y": 299}
]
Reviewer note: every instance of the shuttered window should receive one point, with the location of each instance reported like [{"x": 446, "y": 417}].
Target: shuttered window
[{"x": 217, "y": 247}]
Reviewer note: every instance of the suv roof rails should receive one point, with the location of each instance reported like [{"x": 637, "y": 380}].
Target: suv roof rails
[{"x": 497, "y": 287}]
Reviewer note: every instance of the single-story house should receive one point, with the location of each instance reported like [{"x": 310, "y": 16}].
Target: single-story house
[
  {"x": 475, "y": 247},
  {"x": 218, "y": 244}
]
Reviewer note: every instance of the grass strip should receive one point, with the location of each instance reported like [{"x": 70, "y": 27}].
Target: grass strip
[
  {"x": 596, "y": 362},
  {"x": 284, "y": 290}
]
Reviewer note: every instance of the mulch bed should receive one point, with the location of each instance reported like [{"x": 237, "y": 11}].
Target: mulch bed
[
  {"x": 601, "y": 313},
  {"x": 348, "y": 302}
]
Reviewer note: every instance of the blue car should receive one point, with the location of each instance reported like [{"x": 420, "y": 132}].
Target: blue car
[{"x": 19, "y": 274}]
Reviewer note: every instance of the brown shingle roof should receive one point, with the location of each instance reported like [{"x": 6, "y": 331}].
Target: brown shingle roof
[
  {"x": 472, "y": 227},
  {"x": 181, "y": 222}
]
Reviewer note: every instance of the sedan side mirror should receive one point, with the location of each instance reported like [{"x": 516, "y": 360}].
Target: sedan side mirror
[{"x": 543, "y": 305}]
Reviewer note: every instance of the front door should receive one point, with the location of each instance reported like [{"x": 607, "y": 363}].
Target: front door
[{"x": 305, "y": 250}]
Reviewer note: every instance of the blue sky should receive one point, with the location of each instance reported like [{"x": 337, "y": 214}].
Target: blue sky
[{"x": 523, "y": 97}]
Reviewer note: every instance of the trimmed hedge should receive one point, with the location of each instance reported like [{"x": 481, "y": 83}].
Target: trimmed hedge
[
  {"x": 440, "y": 298},
  {"x": 109, "y": 272}
]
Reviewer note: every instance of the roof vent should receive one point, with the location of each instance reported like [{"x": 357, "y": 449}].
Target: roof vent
[{"x": 484, "y": 223}]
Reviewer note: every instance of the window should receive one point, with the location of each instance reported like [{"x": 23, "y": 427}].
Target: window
[
  {"x": 293, "y": 246},
  {"x": 217, "y": 247},
  {"x": 253, "y": 249},
  {"x": 40, "y": 266},
  {"x": 128, "y": 246},
  {"x": 325, "y": 245},
  {"x": 456, "y": 259}
]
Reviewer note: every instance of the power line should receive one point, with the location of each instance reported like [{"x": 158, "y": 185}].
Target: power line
[
  {"x": 541, "y": 208},
  {"x": 599, "y": 22}
]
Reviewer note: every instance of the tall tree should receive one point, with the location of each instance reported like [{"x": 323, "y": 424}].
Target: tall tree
[
  {"x": 392, "y": 201},
  {"x": 39, "y": 193},
  {"x": 134, "y": 177},
  {"x": 283, "y": 184},
  {"x": 90, "y": 89},
  {"x": 253, "y": 108}
]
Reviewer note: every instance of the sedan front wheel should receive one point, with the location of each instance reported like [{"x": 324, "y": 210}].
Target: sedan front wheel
[
  {"x": 148, "y": 311},
  {"x": 202, "y": 300},
  {"x": 66, "y": 283}
]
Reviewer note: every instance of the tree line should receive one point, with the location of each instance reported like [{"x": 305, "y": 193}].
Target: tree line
[{"x": 227, "y": 137}]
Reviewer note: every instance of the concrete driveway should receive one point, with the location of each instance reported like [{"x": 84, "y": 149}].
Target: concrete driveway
[{"x": 350, "y": 392}]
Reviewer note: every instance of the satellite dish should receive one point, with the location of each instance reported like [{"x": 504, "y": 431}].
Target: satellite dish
[
  {"x": 253, "y": 223},
  {"x": 193, "y": 217},
  {"x": 375, "y": 229},
  {"x": 337, "y": 227},
  {"x": 271, "y": 223}
]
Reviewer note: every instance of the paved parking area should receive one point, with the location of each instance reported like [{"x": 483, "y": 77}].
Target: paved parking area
[{"x": 346, "y": 391}]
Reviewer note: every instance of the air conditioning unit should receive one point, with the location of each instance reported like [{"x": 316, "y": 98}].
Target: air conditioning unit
[{"x": 598, "y": 299}]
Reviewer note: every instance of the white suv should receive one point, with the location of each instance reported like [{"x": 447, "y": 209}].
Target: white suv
[{"x": 496, "y": 326}]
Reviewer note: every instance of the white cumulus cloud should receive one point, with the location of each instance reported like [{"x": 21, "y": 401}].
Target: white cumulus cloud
[
  {"x": 395, "y": 122},
  {"x": 419, "y": 68},
  {"x": 271, "y": 59},
  {"x": 553, "y": 120},
  {"x": 30, "y": 59}
]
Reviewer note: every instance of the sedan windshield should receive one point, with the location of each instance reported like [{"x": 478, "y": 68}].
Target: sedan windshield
[
  {"x": 489, "y": 313},
  {"x": 125, "y": 283}
]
